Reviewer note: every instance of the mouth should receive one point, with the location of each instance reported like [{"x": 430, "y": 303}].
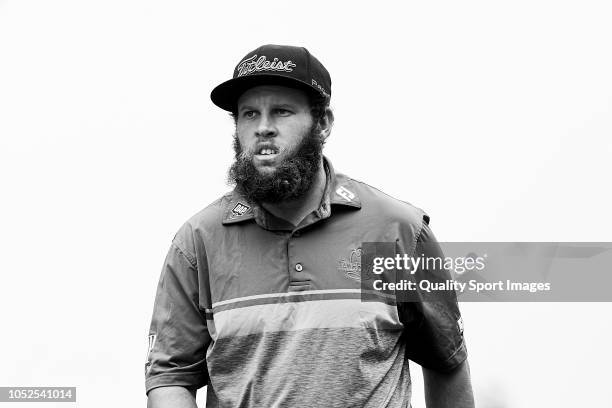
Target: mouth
[{"x": 266, "y": 152}]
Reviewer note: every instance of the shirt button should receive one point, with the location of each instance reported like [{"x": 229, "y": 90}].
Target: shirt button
[{"x": 298, "y": 267}]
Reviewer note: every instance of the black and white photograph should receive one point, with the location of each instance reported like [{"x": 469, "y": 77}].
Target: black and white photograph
[{"x": 321, "y": 204}]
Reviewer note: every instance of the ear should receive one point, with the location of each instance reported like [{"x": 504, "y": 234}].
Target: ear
[{"x": 326, "y": 123}]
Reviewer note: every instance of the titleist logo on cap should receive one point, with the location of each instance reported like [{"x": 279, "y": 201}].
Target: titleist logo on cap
[{"x": 251, "y": 65}]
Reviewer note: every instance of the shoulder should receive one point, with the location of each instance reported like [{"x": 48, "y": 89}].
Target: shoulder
[
  {"x": 211, "y": 216},
  {"x": 378, "y": 204},
  {"x": 203, "y": 223}
]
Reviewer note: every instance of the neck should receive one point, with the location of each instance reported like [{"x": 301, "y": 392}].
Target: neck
[{"x": 295, "y": 211}]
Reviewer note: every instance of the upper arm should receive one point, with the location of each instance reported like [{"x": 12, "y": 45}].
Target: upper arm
[
  {"x": 432, "y": 322},
  {"x": 449, "y": 389},
  {"x": 175, "y": 397},
  {"x": 178, "y": 335}
]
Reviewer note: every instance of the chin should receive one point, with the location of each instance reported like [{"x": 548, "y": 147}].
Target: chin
[{"x": 266, "y": 170}]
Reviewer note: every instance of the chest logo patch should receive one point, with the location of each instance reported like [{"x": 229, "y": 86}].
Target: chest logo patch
[
  {"x": 351, "y": 267},
  {"x": 240, "y": 209}
]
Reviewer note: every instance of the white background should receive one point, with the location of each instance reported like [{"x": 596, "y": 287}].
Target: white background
[{"x": 495, "y": 117}]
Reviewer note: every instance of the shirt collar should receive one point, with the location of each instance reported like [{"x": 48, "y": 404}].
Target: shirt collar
[
  {"x": 343, "y": 190},
  {"x": 339, "y": 191}
]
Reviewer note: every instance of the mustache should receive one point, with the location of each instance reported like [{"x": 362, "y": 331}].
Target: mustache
[{"x": 252, "y": 151}]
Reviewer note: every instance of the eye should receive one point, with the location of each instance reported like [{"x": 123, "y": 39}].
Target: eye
[
  {"x": 248, "y": 114},
  {"x": 283, "y": 112}
]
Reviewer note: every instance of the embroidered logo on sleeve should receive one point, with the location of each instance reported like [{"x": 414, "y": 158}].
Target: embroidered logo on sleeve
[{"x": 152, "y": 338}]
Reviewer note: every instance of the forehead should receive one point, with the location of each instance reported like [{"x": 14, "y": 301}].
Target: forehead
[{"x": 273, "y": 94}]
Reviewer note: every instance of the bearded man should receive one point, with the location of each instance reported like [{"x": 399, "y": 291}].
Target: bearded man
[{"x": 260, "y": 296}]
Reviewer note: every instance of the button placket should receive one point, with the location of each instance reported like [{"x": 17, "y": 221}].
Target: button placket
[
  {"x": 299, "y": 279},
  {"x": 297, "y": 266}
]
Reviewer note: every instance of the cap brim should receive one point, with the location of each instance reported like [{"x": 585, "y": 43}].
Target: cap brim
[{"x": 226, "y": 94}]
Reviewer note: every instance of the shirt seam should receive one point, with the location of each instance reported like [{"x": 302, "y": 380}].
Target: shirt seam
[
  {"x": 186, "y": 255},
  {"x": 417, "y": 237},
  {"x": 383, "y": 193},
  {"x": 178, "y": 379},
  {"x": 186, "y": 373}
]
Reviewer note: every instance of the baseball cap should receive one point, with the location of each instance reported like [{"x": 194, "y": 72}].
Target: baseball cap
[{"x": 271, "y": 64}]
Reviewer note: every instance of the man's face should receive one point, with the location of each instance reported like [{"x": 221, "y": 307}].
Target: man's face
[
  {"x": 271, "y": 123},
  {"x": 277, "y": 143}
]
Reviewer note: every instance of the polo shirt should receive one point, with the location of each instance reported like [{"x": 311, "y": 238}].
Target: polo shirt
[{"x": 270, "y": 315}]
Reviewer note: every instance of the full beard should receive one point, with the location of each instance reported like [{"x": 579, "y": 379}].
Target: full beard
[{"x": 290, "y": 181}]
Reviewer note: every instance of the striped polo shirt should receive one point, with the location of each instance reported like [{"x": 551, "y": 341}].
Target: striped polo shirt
[{"x": 266, "y": 314}]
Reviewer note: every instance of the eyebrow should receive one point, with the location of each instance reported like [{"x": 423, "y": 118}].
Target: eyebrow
[
  {"x": 245, "y": 107},
  {"x": 283, "y": 105}
]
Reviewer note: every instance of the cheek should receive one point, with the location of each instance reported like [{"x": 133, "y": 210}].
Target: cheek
[
  {"x": 246, "y": 143},
  {"x": 297, "y": 134}
]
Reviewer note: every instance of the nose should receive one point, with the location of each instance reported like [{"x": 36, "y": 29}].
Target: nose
[{"x": 265, "y": 127}]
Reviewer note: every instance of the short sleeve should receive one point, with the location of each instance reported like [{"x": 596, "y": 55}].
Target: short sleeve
[
  {"x": 433, "y": 328},
  {"x": 178, "y": 337}
]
